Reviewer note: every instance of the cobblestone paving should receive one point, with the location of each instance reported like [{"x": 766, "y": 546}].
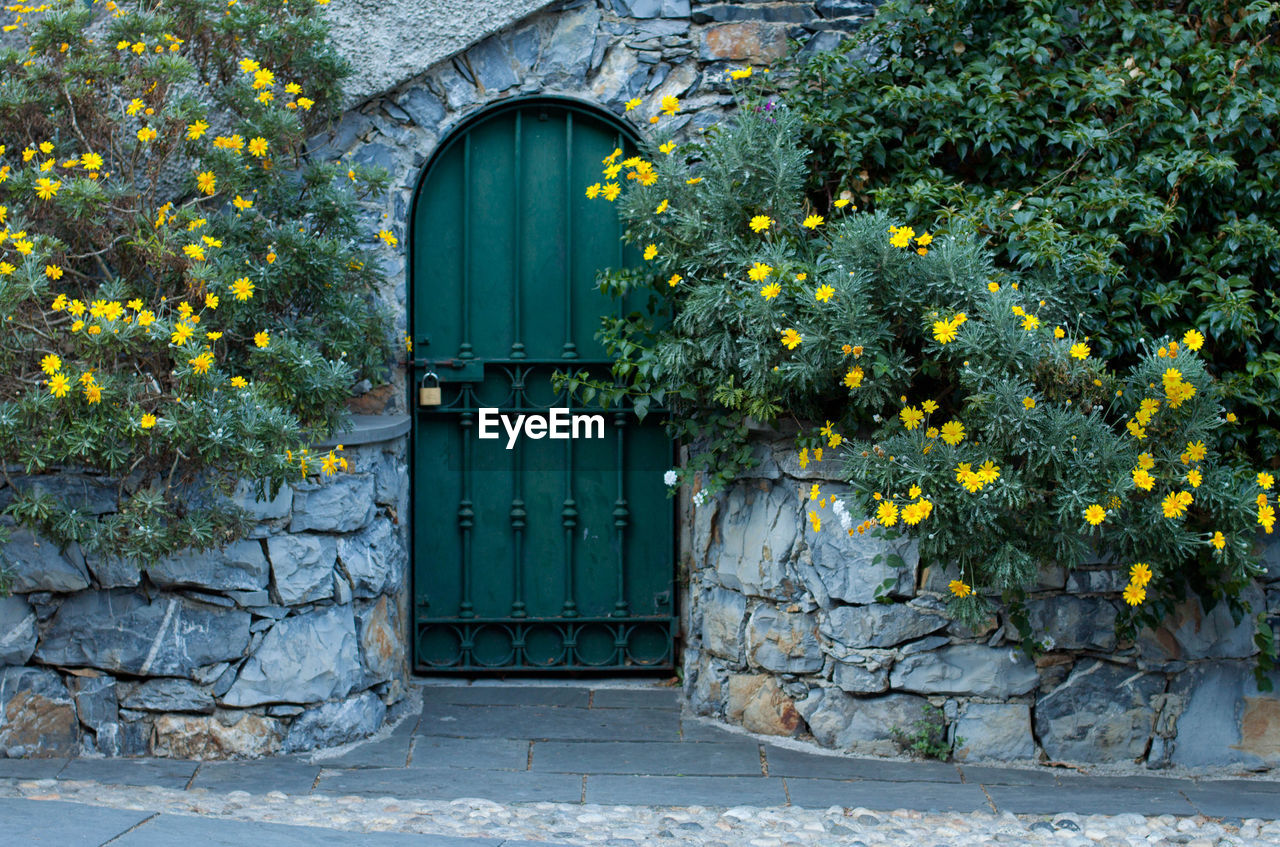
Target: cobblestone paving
[{"x": 611, "y": 767}]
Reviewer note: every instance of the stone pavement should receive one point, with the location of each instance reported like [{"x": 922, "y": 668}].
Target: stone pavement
[{"x": 569, "y": 745}]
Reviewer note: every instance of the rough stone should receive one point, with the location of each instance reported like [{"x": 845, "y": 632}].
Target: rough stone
[
  {"x": 853, "y": 569},
  {"x": 1100, "y": 713},
  {"x": 302, "y": 659},
  {"x": 37, "y": 714},
  {"x": 568, "y": 52},
  {"x": 843, "y": 8},
  {"x": 620, "y": 78},
  {"x": 970, "y": 669},
  {"x": 723, "y": 612},
  {"x": 374, "y": 559},
  {"x": 113, "y": 571},
  {"x": 783, "y": 641},
  {"x": 1189, "y": 633},
  {"x": 1226, "y": 720},
  {"x": 96, "y": 704},
  {"x": 343, "y": 504},
  {"x": 794, "y": 13},
  {"x": 1074, "y": 623},
  {"x": 17, "y": 631},
  {"x": 994, "y": 731},
  {"x": 240, "y": 565},
  {"x": 38, "y": 565},
  {"x": 652, "y": 8},
  {"x": 1096, "y": 581},
  {"x": 245, "y": 496},
  {"x": 757, "y": 533},
  {"x": 336, "y": 723},
  {"x": 861, "y": 725},
  {"x": 208, "y": 737},
  {"x": 89, "y": 494},
  {"x": 748, "y": 41},
  {"x": 856, "y": 679},
  {"x": 877, "y": 625},
  {"x": 424, "y": 107},
  {"x": 381, "y": 645},
  {"x": 302, "y": 567},
  {"x": 122, "y": 630},
  {"x": 170, "y": 695},
  {"x": 492, "y": 65},
  {"x": 756, "y": 702}
]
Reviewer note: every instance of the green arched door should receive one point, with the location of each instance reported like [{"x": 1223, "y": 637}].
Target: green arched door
[{"x": 553, "y": 554}]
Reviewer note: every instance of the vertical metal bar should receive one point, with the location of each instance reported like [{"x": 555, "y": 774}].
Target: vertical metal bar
[
  {"x": 466, "y": 515},
  {"x": 517, "y": 346},
  {"x": 569, "y": 519},
  {"x": 518, "y": 513},
  {"x": 621, "y": 516},
  {"x": 464, "y": 350},
  {"x": 570, "y": 350}
]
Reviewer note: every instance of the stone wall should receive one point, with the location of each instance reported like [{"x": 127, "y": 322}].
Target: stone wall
[
  {"x": 797, "y": 633},
  {"x": 289, "y": 639},
  {"x": 603, "y": 52}
]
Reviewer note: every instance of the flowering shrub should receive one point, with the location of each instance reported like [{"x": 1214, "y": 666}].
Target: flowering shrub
[
  {"x": 182, "y": 291},
  {"x": 968, "y": 401}
]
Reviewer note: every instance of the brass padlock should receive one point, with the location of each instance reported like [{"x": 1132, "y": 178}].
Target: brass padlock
[{"x": 429, "y": 390}]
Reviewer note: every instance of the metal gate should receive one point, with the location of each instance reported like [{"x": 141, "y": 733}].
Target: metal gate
[{"x": 553, "y": 554}]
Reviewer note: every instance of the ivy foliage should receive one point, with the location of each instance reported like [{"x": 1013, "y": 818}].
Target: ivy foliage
[
  {"x": 187, "y": 300},
  {"x": 1137, "y": 141}
]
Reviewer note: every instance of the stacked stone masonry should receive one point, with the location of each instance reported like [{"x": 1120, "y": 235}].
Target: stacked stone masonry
[
  {"x": 289, "y": 639},
  {"x": 795, "y": 632}
]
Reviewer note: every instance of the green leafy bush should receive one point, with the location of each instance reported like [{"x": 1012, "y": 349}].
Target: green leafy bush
[
  {"x": 185, "y": 299},
  {"x": 928, "y": 736},
  {"x": 1138, "y": 142}
]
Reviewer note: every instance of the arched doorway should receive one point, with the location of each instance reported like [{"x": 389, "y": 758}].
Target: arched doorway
[{"x": 548, "y": 554}]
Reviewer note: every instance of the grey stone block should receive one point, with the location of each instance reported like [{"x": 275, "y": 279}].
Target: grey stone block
[
  {"x": 1191, "y": 633},
  {"x": 965, "y": 669},
  {"x": 96, "y": 704},
  {"x": 374, "y": 558},
  {"x": 331, "y": 724},
  {"x": 497, "y": 695},
  {"x": 17, "y": 631},
  {"x": 926, "y": 796},
  {"x": 877, "y": 625},
  {"x": 1226, "y": 720},
  {"x": 437, "y": 753},
  {"x": 788, "y": 763},
  {"x": 37, "y": 564},
  {"x": 1082, "y": 793},
  {"x": 568, "y": 51},
  {"x": 499, "y": 786},
  {"x": 723, "y": 614},
  {"x": 856, "y": 679},
  {"x": 27, "y": 822},
  {"x": 170, "y": 695},
  {"x": 1100, "y": 713},
  {"x": 245, "y": 496},
  {"x": 302, "y": 567},
  {"x": 861, "y": 725},
  {"x": 39, "y": 714},
  {"x": 1074, "y": 623},
  {"x": 113, "y": 571},
  {"x": 240, "y": 566},
  {"x": 688, "y": 758},
  {"x": 549, "y": 722},
  {"x": 307, "y": 658},
  {"x": 783, "y": 641},
  {"x": 492, "y": 65},
  {"x": 852, "y": 569},
  {"x": 344, "y": 504},
  {"x": 257, "y": 777},
  {"x": 758, "y": 532},
  {"x": 121, "y": 630},
  {"x": 614, "y": 789},
  {"x": 995, "y": 731},
  {"x": 635, "y": 698},
  {"x": 424, "y": 107}
]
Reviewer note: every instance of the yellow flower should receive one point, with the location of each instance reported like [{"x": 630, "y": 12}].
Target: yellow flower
[
  {"x": 853, "y": 377},
  {"x": 1194, "y": 478},
  {"x": 388, "y": 238},
  {"x": 146, "y": 318},
  {"x": 1193, "y": 338},
  {"x": 816, "y": 521},
  {"x": 1030, "y": 322},
  {"x": 770, "y": 291},
  {"x": 146, "y": 135},
  {"x": 804, "y": 458},
  {"x": 1095, "y": 514},
  {"x": 148, "y": 421},
  {"x": 238, "y": 382},
  {"x": 791, "y": 339},
  {"x": 263, "y": 78},
  {"x": 261, "y": 339},
  {"x": 911, "y": 417},
  {"x": 740, "y": 73},
  {"x": 200, "y": 364},
  {"x": 181, "y": 332},
  {"x": 1265, "y": 480},
  {"x": 693, "y": 180},
  {"x": 194, "y": 251},
  {"x": 593, "y": 190},
  {"x": 675, "y": 280},
  {"x": 207, "y": 182},
  {"x": 824, "y": 293},
  {"x": 670, "y": 105},
  {"x": 241, "y": 203},
  {"x": 633, "y": 103},
  {"x": 987, "y": 472},
  {"x": 93, "y": 393},
  {"x": 929, "y": 407},
  {"x": 610, "y": 191},
  {"x": 213, "y": 336},
  {"x": 242, "y": 288},
  {"x": 924, "y": 240},
  {"x": 944, "y": 332},
  {"x": 1174, "y": 505},
  {"x": 306, "y": 103},
  {"x": 952, "y": 432},
  {"x": 650, "y": 252},
  {"x": 760, "y": 223},
  {"x": 887, "y": 513},
  {"x": 1140, "y": 574},
  {"x": 1080, "y": 351},
  {"x": 612, "y": 157},
  {"x": 51, "y": 364},
  {"x": 89, "y": 161},
  {"x": 258, "y": 147},
  {"x": 667, "y": 148},
  {"x": 1134, "y": 594},
  {"x": 47, "y": 188},
  {"x": 814, "y": 221},
  {"x": 1195, "y": 452},
  {"x": 59, "y": 385},
  {"x": 1266, "y": 518},
  {"x": 959, "y": 589},
  {"x": 248, "y": 66},
  {"x": 1142, "y": 479},
  {"x": 1219, "y": 540},
  {"x": 759, "y": 271},
  {"x": 662, "y": 207}
]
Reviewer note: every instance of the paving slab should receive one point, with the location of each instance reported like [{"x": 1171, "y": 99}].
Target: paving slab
[
  {"x": 787, "y": 762},
  {"x": 887, "y": 796},
  {"x": 433, "y": 752},
  {"x": 29, "y": 822},
  {"x": 164, "y": 773},
  {"x": 168, "y": 830},
  {"x": 1094, "y": 800},
  {"x": 516, "y": 695},
  {"x": 392, "y": 752},
  {"x": 446, "y": 785},
  {"x": 626, "y": 790},
  {"x": 994, "y": 775},
  {"x": 548, "y": 722},
  {"x": 1231, "y": 799},
  {"x": 692, "y": 729},
  {"x": 635, "y": 698},
  {"x": 31, "y": 768},
  {"x": 706, "y": 758},
  {"x": 257, "y": 777}
]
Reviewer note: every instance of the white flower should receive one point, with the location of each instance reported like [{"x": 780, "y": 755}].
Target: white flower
[
  {"x": 842, "y": 512},
  {"x": 1013, "y": 655},
  {"x": 700, "y": 498},
  {"x": 1048, "y": 643},
  {"x": 670, "y": 478}
]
